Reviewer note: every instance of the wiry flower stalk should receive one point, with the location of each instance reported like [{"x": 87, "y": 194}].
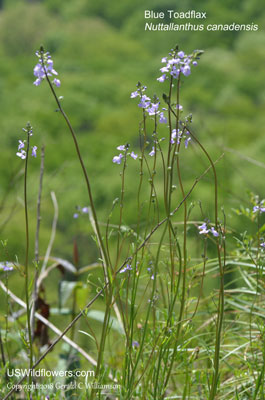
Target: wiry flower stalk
[{"x": 29, "y": 133}]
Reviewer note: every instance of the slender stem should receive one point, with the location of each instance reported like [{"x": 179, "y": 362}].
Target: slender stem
[
  {"x": 2, "y": 352},
  {"x": 169, "y": 147},
  {"x": 35, "y": 292},
  {"x": 102, "y": 247},
  {"x": 27, "y": 252},
  {"x": 119, "y": 248},
  {"x": 148, "y": 310},
  {"x": 220, "y": 311},
  {"x": 53, "y": 233},
  {"x": 39, "y": 206},
  {"x": 183, "y": 297}
]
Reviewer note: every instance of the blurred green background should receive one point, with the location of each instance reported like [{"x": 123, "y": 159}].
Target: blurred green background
[{"x": 101, "y": 50}]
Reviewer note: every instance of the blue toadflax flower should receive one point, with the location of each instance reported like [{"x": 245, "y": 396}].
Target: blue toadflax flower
[
  {"x": 133, "y": 155},
  {"x": 117, "y": 159},
  {"x": 34, "y": 151},
  {"x": 204, "y": 230},
  {"x": 128, "y": 267},
  {"x": 6, "y": 266},
  {"x": 178, "y": 63},
  {"x": 259, "y": 207},
  {"x": 44, "y": 68},
  {"x": 21, "y": 144},
  {"x": 123, "y": 147},
  {"x": 152, "y": 152},
  {"x": 151, "y": 107},
  {"x": 21, "y": 153},
  {"x": 79, "y": 211}
]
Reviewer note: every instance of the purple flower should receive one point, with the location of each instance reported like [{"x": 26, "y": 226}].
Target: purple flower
[
  {"x": 187, "y": 142},
  {"x": 165, "y": 69},
  {"x": 175, "y": 72},
  {"x": 121, "y": 148},
  {"x": 134, "y": 94},
  {"x": 181, "y": 54},
  {"x": 259, "y": 208},
  {"x": 152, "y": 152},
  {"x": 214, "y": 232},
  {"x": 57, "y": 82},
  {"x": 22, "y": 154},
  {"x": 50, "y": 67},
  {"x": 179, "y": 107},
  {"x": 133, "y": 155},
  {"x": 162, "y": 78},
  {"x": 186, "y": 70},
  {"x": 178, "y": 135},
  {"x": 37, "y": 82},
  {"x": 76, "y": 215},
  {"x": 38, "y": 71},
  {"x": 145, "y": 102},
  {"x": 203, "y": 229},
  {"x": 174, "y": 61},
  {"x": 85, "y": 210},
  {"x": 175, "y": 135},
  {"x": 6, "y": 266},
  {"x": 135, "y": 343},
  {"x": 162, "y": 119},
  {"x": 44, "y": 68},
  {"x": 153, "y": 109},
  {"x": 34, "y": 151},
  {"x": 178, "y": 62},
  {"x": 21, "y": 144},
  {"x": 128, "y": 267},
  {"x": 117, "y": 159}
]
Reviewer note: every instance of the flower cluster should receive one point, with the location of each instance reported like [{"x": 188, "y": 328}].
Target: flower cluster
[
  {"x": 21, "y": 145},
  {"x": 43, "y": 68},
  {"x": 150, "y": 270},
  {"x": 128, "y": 267},
  {"x": 259, "y": 207},
  {"x": 6, "y": 266},
  {"x": 204, "y": 230},
  {"x": 124, "y": 149},
  {"x": 135, "y": 344},
  {"x": 178, "y": 63},
  {"x": 152, "y": 152},
  {"x": 176, "y": 136},
  {"x": 150, "y": 106},
  {"x": 79, "y": 210}
]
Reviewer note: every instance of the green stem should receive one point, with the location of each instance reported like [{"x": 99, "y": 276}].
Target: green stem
[
  {"x": 119, "y": 248},
  {"x": 27, "y": 254},
  {"x": 101, "y": 243},
  {"x": 220, "y": 310}
]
